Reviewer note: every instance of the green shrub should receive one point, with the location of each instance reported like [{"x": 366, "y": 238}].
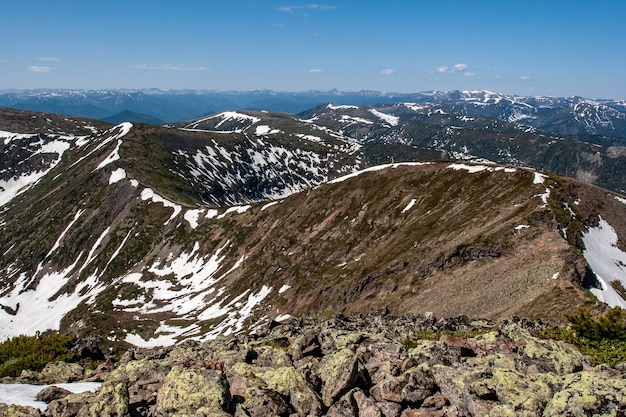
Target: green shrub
[
  {"x": 34, "y": 352},
  {"x": 602, "y": 339},
  {"x": 610, "y": 326}
]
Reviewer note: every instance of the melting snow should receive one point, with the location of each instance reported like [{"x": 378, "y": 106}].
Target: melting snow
[
  {"x": 192, "y": 217},
  {"x": 42, "y": 308},
  {"x": 284, "y": 288},
  {"x": 376, "y": 168},
  {"x": 148, "y": 194},
  {"x": 607, "y": 261},
  {"x": 392, "y": 120},
  {"x": 25, "y": 394},
  {"x": 15, "y": 186},
  {"x": 353, "y": 119},
  {"x": 265, "y": 130},
  {"x": 282, "y": 317},
  {"x": 237, "y": 209},
  {"x": 410, "y": 205},
  {"x": 522, "y": 226},
  {"x": 340, "y": 107},
  {"x": 470, "y": 168},
  {"x": 621, "y": 200},
  {"x": 64, "y": 232},
  {"x": 270, "y": 204},
  {"x": 117, "y": 175},
  {"x": 112, "y": 157},
  {"x": 539, "y": 178}
]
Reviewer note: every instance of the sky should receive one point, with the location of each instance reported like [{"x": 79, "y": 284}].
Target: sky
[{"x": 523, "y": 47}]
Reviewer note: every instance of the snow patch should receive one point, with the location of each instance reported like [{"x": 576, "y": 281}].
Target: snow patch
[
  {"x": 410, "y": 205},
  {"x": 392, "y": 120},
  {"x": 117, "y": 175},
  {"x": 607, "y": 262},
  {"x": 472, "y": 169},
  {"x": 376, "y": 168},
  {"x": 112, "y": 157},
  {"x": 192, "y": 217},
  {"x": 284, "y": 288},
  {"x": 539, "y": 178},
  {"x": 265, "y": 130},
  {"x": 25, "y": 394},
  {"x": 149, "y": 194},
  {"x": 340, "y": 107}
]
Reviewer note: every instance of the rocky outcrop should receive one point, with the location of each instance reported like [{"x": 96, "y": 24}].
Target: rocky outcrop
[{"x": 374, "y": 366}]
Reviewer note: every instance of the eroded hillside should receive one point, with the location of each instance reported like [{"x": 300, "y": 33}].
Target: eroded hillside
[{"x": 150, "y": 235}]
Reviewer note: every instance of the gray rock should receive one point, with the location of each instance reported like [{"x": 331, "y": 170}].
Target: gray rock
[
  {"x": 57, "y": 372},
  {"x": 193, "y": 391},
  {"x": 52, "y": 393},
  {"x": 339, "y": 373}
]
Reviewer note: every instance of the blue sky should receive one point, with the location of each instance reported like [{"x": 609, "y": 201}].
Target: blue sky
[{"x": 532, "y": 47}]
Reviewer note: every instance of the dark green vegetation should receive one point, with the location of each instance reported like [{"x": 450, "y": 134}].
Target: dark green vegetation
[
  {"x": 34, "y": 352},
  {"x": 602, "y": 338}
]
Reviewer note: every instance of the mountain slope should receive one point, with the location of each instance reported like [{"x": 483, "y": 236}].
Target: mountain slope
[
  {"x": 425, "y": 125},
  {"x": 150, "y": 235}
]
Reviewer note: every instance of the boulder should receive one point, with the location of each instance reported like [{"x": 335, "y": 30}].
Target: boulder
[
  {"x": 111, "y": 401},
  {"x": 57, "y": 372},
  {"x": 193, "y": 391},
  {"x": 339, "y": 373},
  {"x": 49, "y": 394},
  {"x": 12, "y": 410}
]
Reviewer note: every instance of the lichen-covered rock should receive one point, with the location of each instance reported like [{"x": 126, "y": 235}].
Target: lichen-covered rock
[
  {"x": 338, "y": 372},
  {"x": 52, "y": 393},
  {"x": 365, "y": 367},
  {"x": 57, "y": 372},
  {"x": 12, "y": 410},
  {"x": 545, "y": 355},
  {"x": 193, "y": 391},
  {"x": 71, "y": 405},
  {"x": 111, "y": 401},
  {"x": 287, "y": 381},
  {"x": 261, "y": 402},
  {"x": 587, "y": 393},
  {"x": 366, "y": 406},
  {"x": 344, "y": 407}
]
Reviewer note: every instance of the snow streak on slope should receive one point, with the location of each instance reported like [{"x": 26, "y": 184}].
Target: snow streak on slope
[
  {"x": 392, "y": 120},
  {"x": 607, "y": 261},
  {"x": 36, "y": 156}
]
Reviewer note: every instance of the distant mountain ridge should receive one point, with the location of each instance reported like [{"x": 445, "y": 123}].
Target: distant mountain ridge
[{"x": 560, "y": 115}]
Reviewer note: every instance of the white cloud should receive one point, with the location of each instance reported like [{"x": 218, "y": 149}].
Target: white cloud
[
  {"x": 525, "y": 78},
  {"x": 168, "y": 67},
  {"x": 460, "y": 67},
  {"x": 312, "y": 6},
  {"x": 315, "y": 71},
  {"x": 456, "y": 68},
  {"x": 39, "y": 69},
  {"x": 387, "y": 71},
  {"x": 48, "y": 58}
]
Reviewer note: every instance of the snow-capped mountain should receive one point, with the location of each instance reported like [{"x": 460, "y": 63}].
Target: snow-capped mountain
[
  {"x": 150, "y": 235},
  {"x": 594, "y": 159},
  {"x": 559, "y": 115}
]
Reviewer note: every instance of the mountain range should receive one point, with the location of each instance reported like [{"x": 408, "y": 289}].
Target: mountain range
[{"x": 149, "y": 235}]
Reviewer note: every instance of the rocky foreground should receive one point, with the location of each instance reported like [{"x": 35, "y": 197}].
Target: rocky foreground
[{"x": 373, "y": 365}]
